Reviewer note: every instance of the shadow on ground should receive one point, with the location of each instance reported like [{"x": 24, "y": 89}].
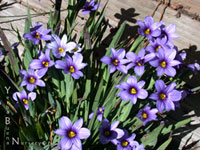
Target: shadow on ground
[
  {"x": 128, "y": 16},
  {"x": 6, "y": 5}
]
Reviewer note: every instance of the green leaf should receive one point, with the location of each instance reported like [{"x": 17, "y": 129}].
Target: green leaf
[
  {"x": 98, "y": 96},
  {"x": 165, "y": 144},
  {"x": 29, "y": 14},
  {"x": 50, "y": 98},
  {"x": 40, "y": 132},
  {"x": 27, "y": 58},
  {"x": 175, "y": 126},
  {"x": 151, "y": 138},
  {"x": 31, "y": 108},
  {"x": 11, "y": 56},
  {"x": 151, "y": 84},
  {"x": 136, "y": 43},
  {"x": 59, "y": 111},
  {"x": 125, "y": 112},
  {"x": 116, "y": 38}
]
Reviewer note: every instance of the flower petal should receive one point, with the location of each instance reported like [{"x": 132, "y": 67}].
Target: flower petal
[
  {"x": 160, "y": 71},
  {"x": 133, "y": 99},
  {"x": 77, "y": 142},
  {"x": 175, "y": 95},
  {"x": 154, "y": 96},
  {"x": 60, "y": 64},
  {"x": 154, "y": 63},
  {"x": 131, "y": 56},
  {"x": 160, "y": 106},
  {"x": 84, "y": 133},
  {"x": 114, "y": 125},
  {"x": 77, "y": 58},
  {"x": 170, "y": 71},
  {"x": 65, "y": 143},
  {"x": 35, "y": 64},
  {"x": 132, "y": 80},
  {"x": 32, "y": 96},
  {"x": 78, "y": 124},
  {"x": 15, "y": 96},
  {"x": 141, "y": 84},
  {"x": 63, "y": 40},
  {"x": 120, "y": 53},
  {"x": 160, "y": 85},
  {"x": 65, "y": 123},
  {"x": 103, "y": 140},
  {"x": 30, "y": 87},
  {"x": 122, "y": 68},
  {"x": 56, "y": 38},
  {"x": 175, "y": 63},
  {"x": 142, "y": 94},
  {"x": 61, "y": 132},
  {"x": 106, "y": 60},
  {"x": 120, "y": 133},
  {"x": 112, "y": 68},
  {"x": 41, "y": 83},
  {"x": 124, "y": 95},
  {"x": 139, "y": 70},
  {"x": 169, "y": 105}
]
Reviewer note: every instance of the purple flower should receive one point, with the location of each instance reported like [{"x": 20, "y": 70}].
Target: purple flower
[
  {"x": 36, "y": 34},
  {"x": 194, "y": 67},
  {"x": 43, "y": 63},
  {"x": 110, "y": 132},
  {"x": 89, "y": 7},
  {"x": 147, "y": 114},
  {"x": 148, "y": 28},
  {"x": 131, "y": 90},
  {"x": 58, "y": 46},
  {"x": 156, "y": 45},
  {"x": 72, "y": 134},
  {"x": 31, "y": 79},
  {"x": 24, "y": 97},
  {"x": 126, "y": 142},
  {"x": 100, "y": 112},
  {"x": 165, "y": 62},
  {"x": 165, "y": 96},
  {"x": 167, "y": 33},
  {"x": 72, "y": 65},
  {"x": 138, "y": 61},
  {"x": 116, "y": 61},
  {"x": 73, "y": 47}
]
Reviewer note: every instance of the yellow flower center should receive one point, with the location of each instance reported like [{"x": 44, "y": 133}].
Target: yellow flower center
[
  {"x": 45, "y": 63},
  {"x": 75, "y": 49},
  {"x": 100, "y": 109},
  {"x": 25, "y": 101},
  {"x": 144, "y": 115},
  {"x": 162, "y": 96},
  {"x": 158, "y": 48},
  {"x": 71, "y": 69},
  {"x": 37, "y": 35},
  {"x": 147, "y": 31},
  {"x": 60, "y": 50},
  {"x": 163, "y": 64},
  {"x": 107, "y": 133},
  {"x": 124, "y": 143},
  {"x": 71, "y": 134},
  {"x": 133, "y": 91},
  {"x": 31, "y": 80},
  {"x": 115, "y": 62},
  {"x": 139, "y": 63}
]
